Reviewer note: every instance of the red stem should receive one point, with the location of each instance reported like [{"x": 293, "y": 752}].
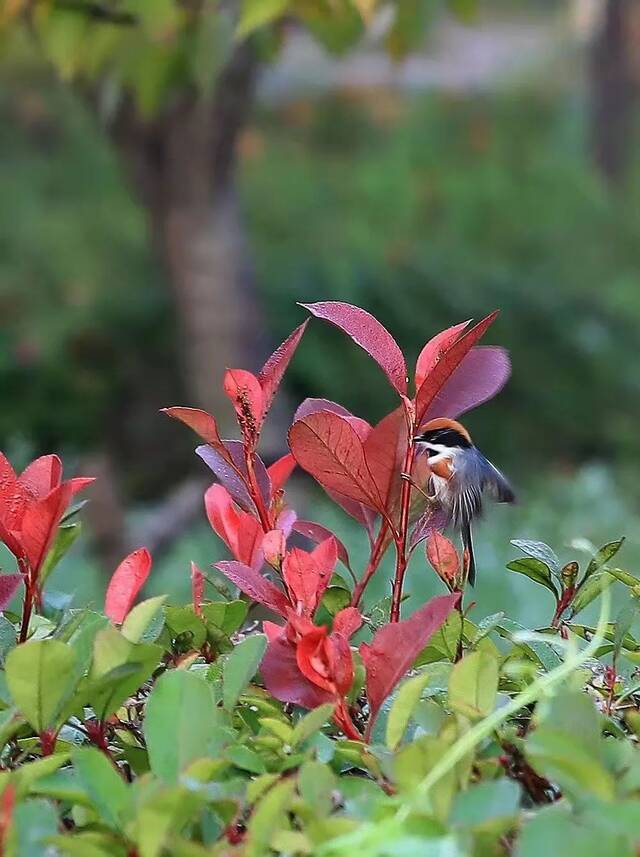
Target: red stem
[
  {"x": 377, "y": 552},
  {"x": 563, "y": 603},
  {"x": 27, "y": 607},
  {"x": 402, "y": 558},
  {"x": 48, "y": 741},
  {"x": 344, "y": 721},
  {"x": 254, "y": 490}
]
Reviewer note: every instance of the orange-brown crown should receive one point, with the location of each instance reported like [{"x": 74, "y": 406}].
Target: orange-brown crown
[{"x": 445, "y": 423}]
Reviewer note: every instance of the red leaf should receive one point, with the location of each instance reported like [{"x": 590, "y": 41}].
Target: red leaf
[
  {"x": 396, "y": 646},
  {"x": 274, "y": 546},
  {"x": 347, "y": 622},
  {"x": 245, "y": 392},
  {"x": 479, "y": 377},
  {"x": 125, "y": 584},
  {"x": 435, "y": 349},
  {"x": 307, "y": 575},
  {"x": 272, "y": 630},
  {"x": 197, "y": 588},
  {"x": 13, "y": 500},
  {"x": 443, "y": 556},
  {"x": 239, "y": 530},
  {"x": 446, "y": 365},
  {"x": 273, "y": 370},
  {"x": 385, "y": 450},
  {"x": 367, "y": 332},
  {"x": 41, "y": 519},
  {"x": 325, "y": 660},
  {"x": 328, "y": 447},
  {"x": 202, "y": 423},
  {"x": 9, "y": 584},
  {"x": 317, "y": 533},
  {"x": 283, "y": 679},
  {"x": 280, "y": 471},
  {"x": 315, "y": 406},
  {"x": 257, "y": 587},
  {"x": 42, "y": 475}
]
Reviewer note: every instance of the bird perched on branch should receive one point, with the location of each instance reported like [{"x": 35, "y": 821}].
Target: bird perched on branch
[{"x": 460, "y": 476}]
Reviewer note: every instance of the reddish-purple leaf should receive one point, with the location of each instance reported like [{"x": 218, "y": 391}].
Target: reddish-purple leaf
[
  {"x": 328, "y": 447},
  {"x": 367, "y": 332},
  {"x": 434, "y": 350},
  {"x": 283, "y": 679},
  {"x": 42, "y": 476},
  {"x": 431, "y": 521},
  {"x": 273, "y": 370},
  {"x": 13, "y": 502},
  {"x": 347, "y": 622},
  {"x": 202, "y": 423},
  {"x": 479, "y": 377},
  {"x": 244, "y": 391},
  {"x": 280, "y": 471},
  {"x": 315, "y": 406},
  {"x": 447, "y": 364},
  {"x": 125, "y": 584},
  {"x": 257, "y": 587},
  {"x": 197, "y": 588},
  {"x": 231, "y": 472},
  {"x": 9, "y": 584},
  {"x": 443, "y": 556},
  {"x": 384, "y": 450},
  {"x": 317, "y": 533},
  {"x": 395, "y": 647}
]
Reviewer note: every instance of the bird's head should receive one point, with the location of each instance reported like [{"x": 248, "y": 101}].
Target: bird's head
[{"x": 441, "y": 436}]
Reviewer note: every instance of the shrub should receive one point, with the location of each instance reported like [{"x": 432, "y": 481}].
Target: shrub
[{"x": 152, "y": 729}]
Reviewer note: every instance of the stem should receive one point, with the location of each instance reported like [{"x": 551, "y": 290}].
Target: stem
[
  {"x": 402, "y": 558},
  {"x": 377, "y": 552},
  {"x": 48, "y": 741},
  {"x": 563, "y": 603},
  {"x": 254, "y": 490},
  {"x": 27, "y": 608},
  {"x": 344, "y": 721}
]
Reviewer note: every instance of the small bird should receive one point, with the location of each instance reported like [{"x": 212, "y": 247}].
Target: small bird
[{"x": 460, "y": 475}]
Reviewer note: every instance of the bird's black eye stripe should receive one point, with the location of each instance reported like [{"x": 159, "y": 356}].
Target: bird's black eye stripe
[{"x": 445, "y": 437}]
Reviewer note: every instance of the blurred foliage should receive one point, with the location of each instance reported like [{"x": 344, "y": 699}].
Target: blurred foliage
[
  {"x": 426, "y": 211},
  {"x": 430, "y": 211}
]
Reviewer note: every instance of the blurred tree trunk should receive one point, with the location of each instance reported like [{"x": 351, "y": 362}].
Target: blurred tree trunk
[
  {"x": 614, "y": 87},
  {"x": 182, "y": 164}
]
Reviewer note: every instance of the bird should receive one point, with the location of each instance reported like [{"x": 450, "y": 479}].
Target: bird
[{"x": 460, "y": 475}]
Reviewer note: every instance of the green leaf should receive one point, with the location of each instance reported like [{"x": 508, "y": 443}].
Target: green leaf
[
  {"x": 602, "y": 557},
  {"x": 228, "y": 616},
  {"x": 181, "y": 721},
  {"x": 103, "y": 784},
  {"x": 267, "y": 817},
  {"x": 311, "y": 723},
  {"x": 403, "y": 707},
  {"x": 473, "y": 685},
  {"x": 246, "y": 759},
  {"x": 143, "y": 623},
  {"x": 623, "y": 623},
  {"x": 539, "y": 551},
  {"x": 574, "y": 766},
  {"x": 7, "y": 637},
  {"x": 624, "y": 576},
  {"x": 240, "y": 667},
  {"x": 536, "y": 570},
  {"x": 65, "y": 538},
  {"x": 257, "y": 13},
  {"x": 41, "y": 676},
  {"x": 183, "y": 622},
  {"x": 316, "y": 784},
  {"x": 90, "y": 844},
  {"x": 487, "y": 802},
  {"x": 33, "y": 822},
  {"x": 552, "y": 828},
  {"x": 590, "y": 590}
]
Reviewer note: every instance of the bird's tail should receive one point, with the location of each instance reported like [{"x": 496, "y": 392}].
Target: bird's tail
[{"x": 467, "y": 543}]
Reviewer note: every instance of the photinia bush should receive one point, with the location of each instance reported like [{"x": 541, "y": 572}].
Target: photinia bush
[{"x": 297, "y": 718}]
